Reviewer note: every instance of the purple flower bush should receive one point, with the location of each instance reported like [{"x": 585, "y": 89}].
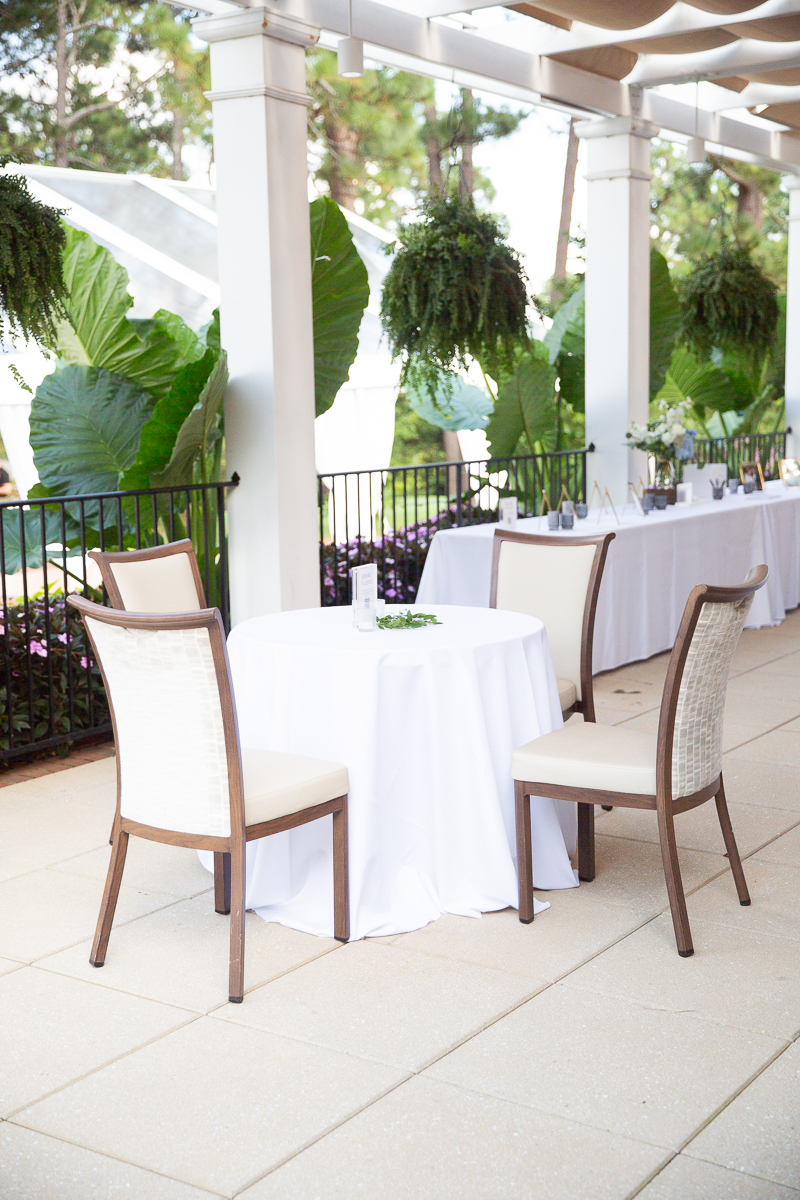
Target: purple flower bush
[
  {"x": 400, "y": 558},
  {"x": 49, "y": 684}
]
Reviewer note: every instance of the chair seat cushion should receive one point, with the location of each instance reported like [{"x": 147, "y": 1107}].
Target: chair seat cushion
[
  {"x": 567, "y": 693},
  {"x": 278, "y": 784},
  {"x": 585, "y": 755}
]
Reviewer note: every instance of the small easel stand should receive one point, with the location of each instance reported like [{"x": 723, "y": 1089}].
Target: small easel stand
[
  {"x": 565, "y": 500},
  {"x": 604, "y": 498},
  {"x": 545, "y": 506},
  {"x": 633, "y": 498}
]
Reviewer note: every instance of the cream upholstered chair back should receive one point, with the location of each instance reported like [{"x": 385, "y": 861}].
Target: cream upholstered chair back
[
  {"x": 552, "y": 581},
  {"x": 158, "y": 579},
  {"x": 714, "y": 624},
  {"x": 169, "y": 691}
]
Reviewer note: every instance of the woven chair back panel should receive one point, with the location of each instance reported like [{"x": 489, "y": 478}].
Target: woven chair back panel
[
  {"x": 157, "y": 584},
  {"x": 697, "y": 740},
  {"x": 170, "y": 736},
  {"x": 549, "y": 582}
]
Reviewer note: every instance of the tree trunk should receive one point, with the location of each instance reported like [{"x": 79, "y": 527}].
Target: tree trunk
[
  {"x": 466, "y": 173},
  {"x": 343, "y": 143},
  {"x": 750, "y": 204},
  {"x": 566, "y": 212},
  {"x": 62, "y": 78},
  {"x": 178, "y": 130},
  {"x": 433, "y": 149}
]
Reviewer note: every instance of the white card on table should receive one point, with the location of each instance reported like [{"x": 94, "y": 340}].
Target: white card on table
[
  {"x": 365, "y": 595},
  {"x": 508, "y": 512}
]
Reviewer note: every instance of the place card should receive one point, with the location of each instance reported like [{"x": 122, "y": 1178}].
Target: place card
[
  {"x": 508, "y": 512},
  {"x": 365, "y": 597}
]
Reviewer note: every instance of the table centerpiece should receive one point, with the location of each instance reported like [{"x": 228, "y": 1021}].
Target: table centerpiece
[{"x": 668, "y": 441}]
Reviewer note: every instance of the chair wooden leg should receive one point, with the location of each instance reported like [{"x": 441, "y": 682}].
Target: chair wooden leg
[
  {"x": 119, "y": 848},
  {"x": 341, "y": 886},
  {"x": 222, "y": 882},
  {"x": 522, "y": 806},
  {"x": 672, "y": 874},
  {"x": 236, "y": 976},
  {"x": 586, "y": 869},
  {"x": 730, "y": 845}
]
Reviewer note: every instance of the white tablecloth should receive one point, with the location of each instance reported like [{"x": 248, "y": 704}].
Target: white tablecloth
[
  {"x": 652, "y": 565},
  {"x": 426, "y": 721}
]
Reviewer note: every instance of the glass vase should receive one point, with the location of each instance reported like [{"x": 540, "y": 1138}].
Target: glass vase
[{"x": 664, "y": 475}]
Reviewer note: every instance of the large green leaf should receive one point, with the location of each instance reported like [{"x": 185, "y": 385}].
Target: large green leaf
[
  {"x": 706, "y": 386},
  {"x": 35, "y": 541},
  {"x": 461, "y": 406},
  {"x": 199, "y": 432},
  {"x": 86, "y": 425},
  {"x": 665, "y": 319},
  {"x": 525, "y": 405},
  {"x": 160, "y": 433},
  {"x": 340, "y": 293},
  {"x": 568, "y": 325},
  {"x": 99, "y": 333}
]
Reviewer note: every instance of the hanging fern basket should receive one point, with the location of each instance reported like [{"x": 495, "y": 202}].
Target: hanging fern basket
[
  {"x": 729, "y": 304},
  {"x": 454, "y": 291},
  {"x": 32, "y": 288}
]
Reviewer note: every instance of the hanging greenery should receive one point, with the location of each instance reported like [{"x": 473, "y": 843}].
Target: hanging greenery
[
  {"x": 729, "y": 304},
  {"x": 32, "y": 288},
  {"x": 454, "y": 291}
]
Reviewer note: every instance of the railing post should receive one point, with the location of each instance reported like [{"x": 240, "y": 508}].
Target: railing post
[{"x": 459, "y": 491}]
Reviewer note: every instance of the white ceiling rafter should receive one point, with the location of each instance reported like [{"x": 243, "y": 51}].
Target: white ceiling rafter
[{"x": 482, "y": 58}]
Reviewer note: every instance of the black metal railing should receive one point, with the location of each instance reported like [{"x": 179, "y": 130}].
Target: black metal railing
[
  {"x": 389, "y": 516},
  {"x": 51, "y": 692},
  {"x": 764, "y": 448}
]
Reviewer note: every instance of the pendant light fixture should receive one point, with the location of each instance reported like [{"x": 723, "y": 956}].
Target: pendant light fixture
[
  {"x": 696, "y": 147},
  {"x": 350, "y": 51}
]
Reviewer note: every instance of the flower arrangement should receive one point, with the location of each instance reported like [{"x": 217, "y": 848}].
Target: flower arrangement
[{"x": 666, "y": 437}]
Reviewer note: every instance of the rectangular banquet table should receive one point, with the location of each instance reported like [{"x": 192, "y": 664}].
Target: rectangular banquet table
[
  {"x": 425, "y": 721},
  {"x": 653, "y": 564}
]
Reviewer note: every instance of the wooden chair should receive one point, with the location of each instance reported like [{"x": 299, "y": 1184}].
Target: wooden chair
[
  {"x": 156, "y": 579},
  {"x": 182, "y": 777},
  {"x": 670, "y": 773},
  {"x": 557, "y": 581}
]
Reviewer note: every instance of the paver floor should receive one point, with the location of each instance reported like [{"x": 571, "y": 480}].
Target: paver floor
[{"x": 578, "y": 1057}]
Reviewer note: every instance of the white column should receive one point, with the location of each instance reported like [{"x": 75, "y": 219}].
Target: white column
[
  {"x": 617, "y": 296},
  {"x": 793, "y": 320},
  {"x": 259, "y": 106}
]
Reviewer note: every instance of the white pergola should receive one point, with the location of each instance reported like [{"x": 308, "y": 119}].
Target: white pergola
[{"x": 628, "y": 68}]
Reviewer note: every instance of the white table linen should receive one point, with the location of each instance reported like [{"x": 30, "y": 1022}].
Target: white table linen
[
  {"x": 652, "y": 565},
  {"x": 426, "y": 721}
]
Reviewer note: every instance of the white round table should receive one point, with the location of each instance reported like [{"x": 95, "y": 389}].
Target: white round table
[{"x": 426, "y": 721}]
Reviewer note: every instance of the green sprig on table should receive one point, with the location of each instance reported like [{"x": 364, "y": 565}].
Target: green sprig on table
[{"x": 408, "y": 620}]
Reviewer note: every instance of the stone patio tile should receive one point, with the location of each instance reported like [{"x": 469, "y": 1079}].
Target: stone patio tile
[
  {"x": 52, "y": 910},
  {"x": 785, "y": 849},
  {"x": 429, "y": 1140},
  {"x": 775, "y": 894},
  {"x": 571, "y": 931},
  {"x": 82, "y": 783},
  {"x": 609, "y": 715},
  {"x": 759, "y": 1133},
  {"x": 761, "y": 783},
  {"x": 626, "y": 694},
  {"x": 180, "y": 955},
  {"x": 769, "y": 712},
  {"x": 760, "y": 652},
  {"x": 763, "y": 682},
  {"x": 382, "y": 1002},
  {"x": 54, "y": 1030},
  {"x": 631, "y": 873},
  {"x": 733, "y": 733},
  {"x": 634, "y": 1070},
  {"x": 41, "y": 832},
  {"x": 36, "y": 1167},
  {"x": 748, "y": 980},
  {"x": 688, "y": 1179},
  {"x": 778, "y": 747},
  {"x": 154, "y": 866},
  {"x": 8, "y": 964},
  {"x": 699, "y": 829},
  {"x": 785, "y": 664},
  {"x": 213, "y": 1104}
]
